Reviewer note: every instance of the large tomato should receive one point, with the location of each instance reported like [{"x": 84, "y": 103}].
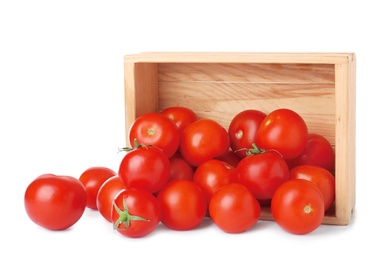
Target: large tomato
[
  {"x": 234, "y": 208},
  {"x": 106, "y": 194},
  {"x": 318, "y": 152},
  {"x": 135, "y": 212},
  {"x": 203, "y": 140},
  {"x": 298, "y": 206},
  {"x": 320, "y": 177},
  {"x": 262, "y": 173},
  {"x": 183, "y": 205},
  {"x": 155, "y": 129},
  {"x": 212, "y": 175},
  {"x": 283, "y": 130},
  {"x": 242, "y": 130},
  {"x": 92, "y": 178},
  {"x": 145, "y": 167},
  {"x": 181, "y": 116},
  {"x": 55, "y": 202}
]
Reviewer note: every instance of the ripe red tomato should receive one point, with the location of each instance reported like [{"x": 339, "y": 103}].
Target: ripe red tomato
[
  {"x": 145, "y": 167},
  {"x": 283, "y": 130},
  {"x": 262, "y": 173},
  {"x": 55, "y": 202},
  {"x": 180, "y": 169},
  {"x": 181, "y": 116},
  {"x": 92, "y": 178},
  {"x": 183, "y": 205},
  {"x": 155, "y": 129},
  {"x": 242, "y": 130},
  {"x": 318, "y": 152},
  {"x": 106, "y": 194},
  {"x": 203, "y": 140},
  {"x": 234, "y": 208},
  {"x": 212, "y": 175},
  {"x": 135, "y": 213},
  {"x": 320, "y": 177},
  {"x": 298, "y": 206}
]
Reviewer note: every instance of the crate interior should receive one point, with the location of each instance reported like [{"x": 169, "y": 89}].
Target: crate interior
[{"x": 220, "y": 90}]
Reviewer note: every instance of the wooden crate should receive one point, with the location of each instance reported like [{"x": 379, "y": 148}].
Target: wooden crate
[{"x": 321, "y": 87}]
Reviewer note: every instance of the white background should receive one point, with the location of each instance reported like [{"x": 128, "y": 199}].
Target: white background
[{"x": 62, "y": 111}]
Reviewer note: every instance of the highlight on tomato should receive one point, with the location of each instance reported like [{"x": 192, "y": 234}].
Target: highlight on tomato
[
  {"x": 298, "y": 206},
  {"x": 55, "y": 202}
]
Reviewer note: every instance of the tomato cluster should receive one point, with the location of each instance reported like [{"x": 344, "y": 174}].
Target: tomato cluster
[{"x": 180, "y": 169}]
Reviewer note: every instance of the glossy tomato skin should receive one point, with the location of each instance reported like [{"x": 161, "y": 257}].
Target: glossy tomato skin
[
  {"x": 92, "y": 178},
  {"x": 145, "y": 167},
  {"x": 212, "y": 175},
  {"x": 283, "y": 130},
  {"x": 230, "y": 157},
  {"x": 203, "y": 140},
  {"x": 143, "y": 213},
  {"x": 319, "y": 176},
  {"x": 106, "y": 195},
  {"x": 183, "y": 205},
  {"x": 180, "y": 169},
  {"x": 55, "y": 202},
  {"x": 263, "y": 173},
  {"x": 298, "y": 206},
  {"x": 181, "y": 116},
  {"x": 234, "y": 208},
  {"x": 242, "y": 130},
  {"x": 155, "y": 129},
  {"x": 318, "y": 152}
]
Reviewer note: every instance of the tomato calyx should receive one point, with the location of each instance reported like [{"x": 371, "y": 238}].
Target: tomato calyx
[
  {"x": 125, "y": 217},
  {"x": 136, "y": 146}
]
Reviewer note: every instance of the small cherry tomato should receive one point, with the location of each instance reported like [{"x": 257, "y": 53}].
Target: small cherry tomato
[
  {"x": 283, "y": 130},
  {"x": 203, "y": 140},
  {"x": 135, "y": 213},
  {"x": 92, "y": 178},
  {"x": 181, "y": 116},
  {"x": 298, "y": 206},
  {"x": 262, "y": 173},
  {"x": 242, "y": 130},
  {"x": 106, "y": 194},
  {"x": 183, "y": 205},
  {"x": 320, "y": 177},
  {"x": 234, "y": 208},
  {"x": 155, "y": 129},
  {"x": 318, "y": 152},
  {"x": 212, "y": 175},
  {"x": 55, "y": 202},
  {"x": 145, "y": 167}
]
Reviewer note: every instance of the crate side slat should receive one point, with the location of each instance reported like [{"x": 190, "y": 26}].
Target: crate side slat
[{"x": 345, "y": 142}]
